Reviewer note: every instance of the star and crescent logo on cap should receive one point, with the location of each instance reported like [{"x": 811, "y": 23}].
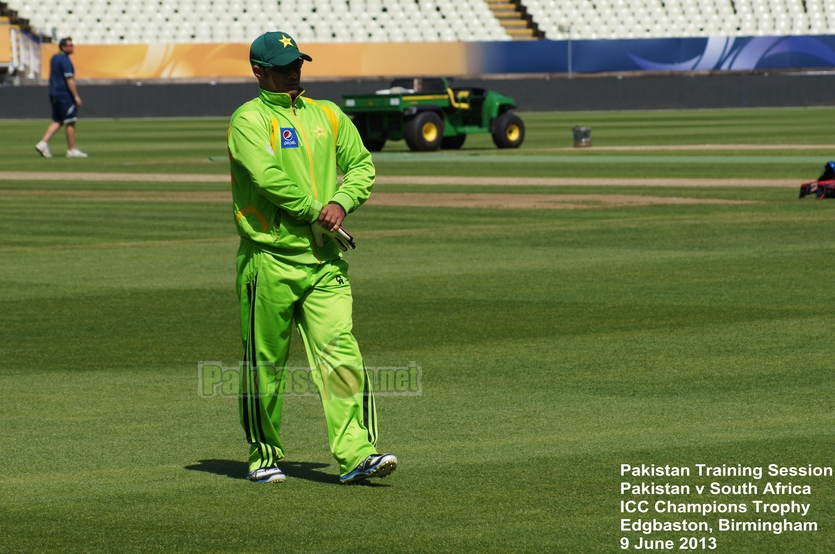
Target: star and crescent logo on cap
[{"x": 286, "y": 41}]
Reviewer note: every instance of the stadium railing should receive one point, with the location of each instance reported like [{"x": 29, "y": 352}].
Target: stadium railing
[{"x": 20, "y": 53}]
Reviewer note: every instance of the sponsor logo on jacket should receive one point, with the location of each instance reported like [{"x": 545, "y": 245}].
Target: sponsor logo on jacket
[{"x": 289, "y": 138}]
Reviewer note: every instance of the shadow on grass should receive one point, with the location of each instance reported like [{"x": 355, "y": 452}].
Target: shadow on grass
[
  {"x": 227, "y": 468},
  {"x": 309, "y": 472},
  {"x": 295, "y": 470}
]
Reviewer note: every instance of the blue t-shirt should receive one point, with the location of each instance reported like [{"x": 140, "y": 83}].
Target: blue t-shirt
[{"x": 60, "y": 68}]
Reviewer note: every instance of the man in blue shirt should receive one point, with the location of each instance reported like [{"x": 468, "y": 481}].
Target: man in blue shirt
[{"x": 63, "y": 95}]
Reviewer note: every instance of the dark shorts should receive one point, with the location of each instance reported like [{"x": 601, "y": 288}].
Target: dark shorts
[{"x": 64, "y": 109}]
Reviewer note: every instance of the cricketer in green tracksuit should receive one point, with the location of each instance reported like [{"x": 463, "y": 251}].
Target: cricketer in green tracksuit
[{"x": 284, "y": 150}]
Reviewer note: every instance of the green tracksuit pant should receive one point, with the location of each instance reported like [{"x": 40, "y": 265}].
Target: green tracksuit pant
[{"x": 273, "y": 294}]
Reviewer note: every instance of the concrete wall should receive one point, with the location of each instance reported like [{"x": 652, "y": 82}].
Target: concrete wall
[{"x": 644, "y": 92}]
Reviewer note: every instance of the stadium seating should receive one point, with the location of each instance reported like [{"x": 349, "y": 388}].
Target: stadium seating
[
  {"x": 137, "y": 21},
  {"x": 581, "y": 19}
]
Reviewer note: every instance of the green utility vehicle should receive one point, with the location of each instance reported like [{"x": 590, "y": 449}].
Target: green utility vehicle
[{"x": 430, "y": 114}]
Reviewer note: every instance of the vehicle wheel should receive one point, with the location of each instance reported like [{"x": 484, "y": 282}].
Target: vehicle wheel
[
  {"x": 453, "y": 143},
  {"x": 509, "y": 131},
  {"x": 424, "y": 132},
  {"x": 373, "y": 145}
]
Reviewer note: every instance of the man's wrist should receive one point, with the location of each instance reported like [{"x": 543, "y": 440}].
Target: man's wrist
[
  {"x": 343, "y": 199},
  {"x": 341, "y": 207}
]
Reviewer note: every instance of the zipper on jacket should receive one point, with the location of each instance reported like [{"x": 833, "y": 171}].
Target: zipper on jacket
[
  {"x": 307, "y": 147},
  {"x": 312, "y": 174}
]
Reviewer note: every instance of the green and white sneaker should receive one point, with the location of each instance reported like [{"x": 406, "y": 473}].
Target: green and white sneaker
[
  {"x": 267, "y": 475},
  {"x": 376, "y": 465}
]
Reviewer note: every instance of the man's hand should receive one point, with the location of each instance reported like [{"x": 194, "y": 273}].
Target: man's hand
[
  {"x": 74, "y": 91},
  {"x": 340, "y": 237},
  {"x": 331, "y": 217}
]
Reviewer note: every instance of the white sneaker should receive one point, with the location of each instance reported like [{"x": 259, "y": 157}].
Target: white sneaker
[
  {"x": 376, "y": 465},
  {"x": 76, "y": 153},
  {"x": 43, "y": 149},
  {"x": 266, "y": 475}
]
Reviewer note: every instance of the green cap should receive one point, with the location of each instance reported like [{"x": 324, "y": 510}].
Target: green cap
[{"x": 275, "y": 49}]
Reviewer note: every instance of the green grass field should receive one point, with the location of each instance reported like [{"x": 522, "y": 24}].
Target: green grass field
[{"x": 555, "y": 345}]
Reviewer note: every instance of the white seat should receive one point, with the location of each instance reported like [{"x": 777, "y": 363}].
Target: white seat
[{"x": 448, "y": 35}]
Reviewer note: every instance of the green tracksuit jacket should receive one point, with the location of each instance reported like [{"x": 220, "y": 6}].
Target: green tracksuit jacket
[{"x": 284, "y": 157}]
